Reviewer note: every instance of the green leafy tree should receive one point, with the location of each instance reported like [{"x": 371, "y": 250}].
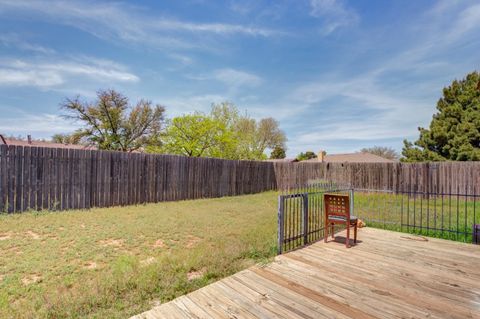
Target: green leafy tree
[
  {"x": 454, "y": 132},
  {"x": 278, "y": 152},
  {"x": 197, "y": 135},
  {"x": 111, "y": 123},
  {"x": 251, "y": 138},
  {"x": 306, "y": 156},
  {"x": 66, "y": 139},
  {"x": 385, "y": 152}
]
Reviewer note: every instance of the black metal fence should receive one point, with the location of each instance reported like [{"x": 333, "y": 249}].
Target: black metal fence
[
  {"x": 300, "y": 214},
  {"x": 452, "y": 215}
]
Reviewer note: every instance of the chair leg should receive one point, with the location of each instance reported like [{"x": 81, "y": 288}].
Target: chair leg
[
  {"x": 326, "y": 231},
  {"x": 333, "y": 230},
  {"x": 347, "y": 240},
  {"x": 355, "y": 233}
]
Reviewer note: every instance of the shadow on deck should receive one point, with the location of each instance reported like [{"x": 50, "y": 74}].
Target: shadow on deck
[{"x": 387, "y": 275}]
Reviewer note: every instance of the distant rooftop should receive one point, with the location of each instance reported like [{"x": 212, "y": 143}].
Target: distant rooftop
[
  {"x": 30, "y": 142},
  {"x": 283, "y": 160},
  {"x": 358, "y": 157}
]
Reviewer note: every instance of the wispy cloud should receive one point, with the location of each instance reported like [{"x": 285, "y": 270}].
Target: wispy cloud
[
  {"x": 15, "y": 41},
  {"x": 179, "y": 105},
  {"x": 131, "y": 24},
  {"x": 53, "y": 73},
  {"x": 468, "y": 20},
  {"x": 237, "y": 78},
  {"x": 233, "y": 79},
  {"x": 43, "y": 125},
  {"x": 334, "y": 13}
]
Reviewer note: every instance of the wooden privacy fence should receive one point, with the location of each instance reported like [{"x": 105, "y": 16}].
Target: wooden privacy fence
[
  {"x": 439, "y": 177},
  {"x": 34, "y": 178}
]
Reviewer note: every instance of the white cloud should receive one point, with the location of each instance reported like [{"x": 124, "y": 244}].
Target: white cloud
[
  {"x": 237, "y": 78},
  {"x": 48, "y": 73},
  {"x": 14, "y": 40},
  {"x": 234, "y": 80},
  {"x": 468, "y": 21},
  {"x": 43, "y": 125},
  {"x": 118, "y": 21},
  {"x": 334, "y": 13},
  {"x": 180, "y": 105}
]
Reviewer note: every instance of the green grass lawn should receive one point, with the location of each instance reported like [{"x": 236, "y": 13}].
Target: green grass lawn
[{"x": 117, "y": 262}]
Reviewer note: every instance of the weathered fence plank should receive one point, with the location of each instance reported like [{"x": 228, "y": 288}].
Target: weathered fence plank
[
  {"x": 59, "y": 179},
  {"x": 3, "y": 179}
]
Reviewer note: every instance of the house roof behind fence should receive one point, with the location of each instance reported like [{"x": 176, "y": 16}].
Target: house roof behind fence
[
  {"x": 18, "y": 142},
  {"x": 359, "y": 157}
]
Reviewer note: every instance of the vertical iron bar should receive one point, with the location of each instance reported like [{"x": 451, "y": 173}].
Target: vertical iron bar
[
  {"x": 288, "y": 218},
  {"x": 281, "y": 229},
  {"x": 458, "y": 210},
  {"x": 414, "y": 211},
  {"x": 408, "y": 212},
  {"x": 465, "y": 217},
  {"x": 450, "y": 211},
  {"x": 297, "y": 221},
  {"x": 401, "y": 212},
  {"x": 428, "y": 214},
  {"x": 435, "y": 213},
  {"x": 384, "y": 210},
  {"x": 305, "y": 219},
  {"x": 474, "y": 215},
  {"x": 442, "y": 216},
  {"x": 421, "y": 212}
]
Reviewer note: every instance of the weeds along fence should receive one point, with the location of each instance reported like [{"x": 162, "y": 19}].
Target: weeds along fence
[{"x": 34, "y": 178}]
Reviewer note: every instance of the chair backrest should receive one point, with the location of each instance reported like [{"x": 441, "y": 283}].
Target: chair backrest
[{"x": 337, "y": 205}]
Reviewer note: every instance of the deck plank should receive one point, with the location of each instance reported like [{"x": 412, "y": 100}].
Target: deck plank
[{"x": 386, "y": 275}]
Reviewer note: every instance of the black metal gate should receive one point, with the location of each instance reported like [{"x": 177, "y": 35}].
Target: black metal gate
[{"x": 300, "y": 214}]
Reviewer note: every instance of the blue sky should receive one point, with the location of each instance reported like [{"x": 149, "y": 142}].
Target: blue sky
[{"x": 339, "y": 75}]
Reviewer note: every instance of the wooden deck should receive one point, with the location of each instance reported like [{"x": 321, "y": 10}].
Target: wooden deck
[{"x": 386, "y": 275}]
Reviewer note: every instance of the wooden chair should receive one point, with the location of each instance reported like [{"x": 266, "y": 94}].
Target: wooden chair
[{"x": 337, "y": 211}]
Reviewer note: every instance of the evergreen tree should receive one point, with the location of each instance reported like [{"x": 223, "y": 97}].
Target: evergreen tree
[{"x": 454, "y": 133}]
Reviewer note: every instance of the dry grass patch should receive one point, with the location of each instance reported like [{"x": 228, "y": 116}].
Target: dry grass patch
[
  {"x": 148, "y": 261},
  {"x": 115, "y": 262},
  {"x": 31, "y": 279},
  {"x": 192, "y": 275},
  {"x": 90, "y": 265},
  {"x": 192, "y": 241},
  {"x": 6, "y": 236},
  {"x": 159, "y": 244},
  {"x": 32, "y": 235},
  {"x": 111, "y": 242}
]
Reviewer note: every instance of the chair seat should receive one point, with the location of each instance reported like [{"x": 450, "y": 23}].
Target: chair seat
[{"x": 342, "y": 218}]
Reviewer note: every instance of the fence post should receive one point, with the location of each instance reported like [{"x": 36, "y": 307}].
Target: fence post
[
  {"x": 281, "y": 214},
  {"x": 305, "y": 218}
]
